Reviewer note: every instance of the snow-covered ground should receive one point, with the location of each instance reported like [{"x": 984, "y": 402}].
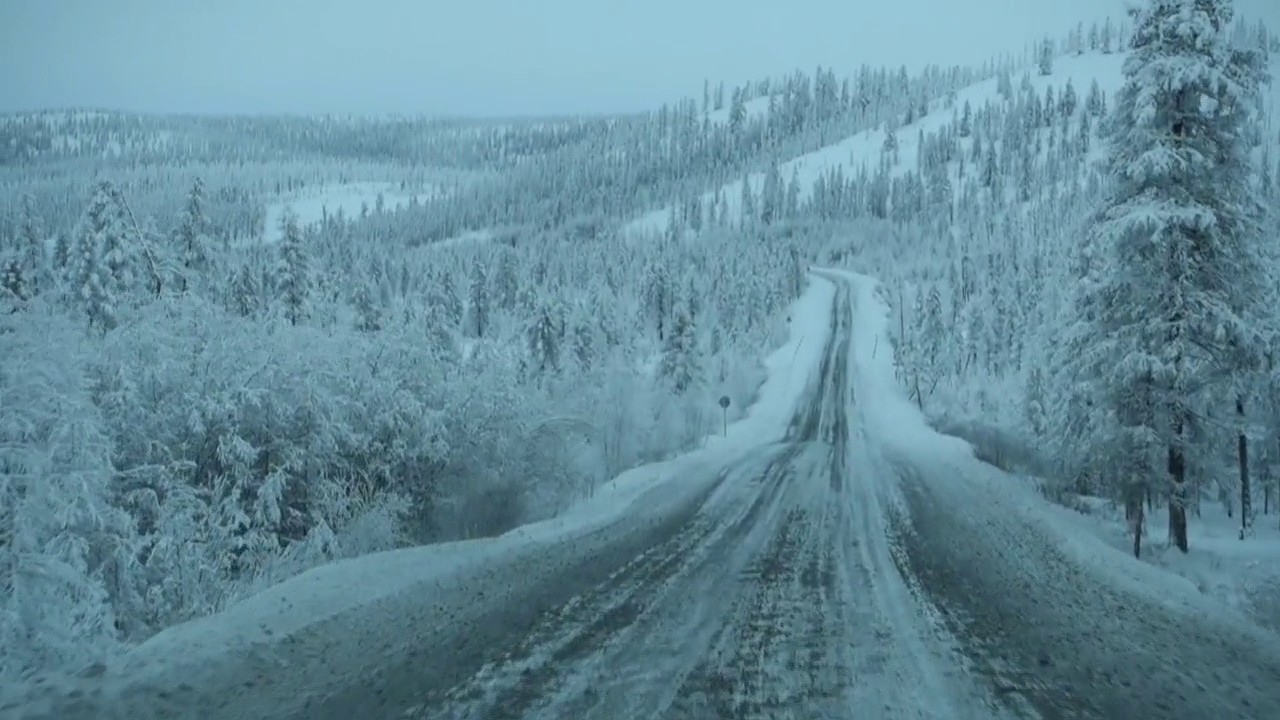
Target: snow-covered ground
[
  {"x": 1032, "y": 584},
  {"x": 1222, "y": 568},
  {"x": 312, "y": 205},
  {"x": 350, "y": 615},
  {"x": 864, "y": 149},
  {"x": 470, "y": 236},
  {"x": 1243, "y": 573}
]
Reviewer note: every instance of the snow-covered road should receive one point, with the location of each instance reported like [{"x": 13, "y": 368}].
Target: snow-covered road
[
  {"x": 1059, "y": 624},
  {"x": 847, "y": 563},
  {"x": 777, "y": 599}
]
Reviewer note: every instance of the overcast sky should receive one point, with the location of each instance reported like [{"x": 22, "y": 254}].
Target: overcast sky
[{"x": 477, "y": 57}]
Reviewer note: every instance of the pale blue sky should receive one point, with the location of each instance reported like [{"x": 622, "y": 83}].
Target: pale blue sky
[{"x": 468, "y": 57}]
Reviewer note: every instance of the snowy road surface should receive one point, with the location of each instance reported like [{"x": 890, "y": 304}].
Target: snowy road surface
[
  {"x": 777, "y": 598},
  {"x": 861, "y": 566}
]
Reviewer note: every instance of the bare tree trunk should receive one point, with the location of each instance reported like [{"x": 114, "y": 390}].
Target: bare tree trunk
[
  {"x": 902, "y": 317},
  {"x": 1178, "y": 491},
  {"x": 1133, "y": 512},
  {"x": 1246, "y": 496}
]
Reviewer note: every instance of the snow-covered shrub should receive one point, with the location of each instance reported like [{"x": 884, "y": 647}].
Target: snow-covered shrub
[{"x": 65, "y": 551}]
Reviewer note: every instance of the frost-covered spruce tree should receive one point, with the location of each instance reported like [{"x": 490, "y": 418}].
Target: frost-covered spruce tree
[
  {"x": 681, "y": 364},
  {"x": 23, "y": 272},
  {"x": 293, "y": 280},
  {"x": 245, "y": 293},
  {"x": 771, "y": 195},
  {"x": 1179, "y": 234},
  {"x": 368, "y": 314},
  {"x": 192, "y": 238},
  {"x": 64, "y": 549},
  {"x": 479, "y": 310},
  {"x": 543, "y": 340},
  {"x": 1067, "y": 104},
  {"x": 747, "y": 207},
  {"x": 1046, "y": 57},
  {"x": 506, "y": 281},
  {"x": 87, "y": 277},
  {"x": 121, "y": 246},
  {"x": 13, "y": 290},
  {"x": 445, "y": 295}
]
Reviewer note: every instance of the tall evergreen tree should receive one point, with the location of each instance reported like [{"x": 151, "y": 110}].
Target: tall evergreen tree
[
  {"x": 1067, "y": 105},
  {"x": 1046, "y": 57},
  {"x": 368, "y": 314},
  {"x": 737, "y": 112},
  {"x": 293, "y": 280},
  {"x": 444, "y": 295},
  {"x": 1180, "y": 232},
  {"x": 771, "y": 195},
  {"x": 681, "y": 364},
  {"x": 30, "y": 251},
  {"x": 748, "y": 210},
  {"x": 246, "y": 291},
  {"x": 478, "y": 299},
  {"x": 90, "y": 282},
  {"x": 192, "y": 237},
  {"x": 506, "y": 282},
  {"x": 544, "y": 339}
]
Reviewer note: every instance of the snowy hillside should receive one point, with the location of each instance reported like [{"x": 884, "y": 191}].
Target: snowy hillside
[
  {"x": 862, "y": 152},
  {"x": 754, "y": 108}
]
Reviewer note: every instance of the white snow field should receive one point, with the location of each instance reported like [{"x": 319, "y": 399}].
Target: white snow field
[
  {"x": 275, "y": 652},
  {"x": 311, "y": 205}
]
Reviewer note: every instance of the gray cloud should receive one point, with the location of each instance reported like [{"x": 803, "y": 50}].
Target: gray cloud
[{"x": 486, "y": 57}]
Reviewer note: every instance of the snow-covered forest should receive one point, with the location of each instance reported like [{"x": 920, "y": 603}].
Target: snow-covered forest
[{"x": 196, "y": 403}]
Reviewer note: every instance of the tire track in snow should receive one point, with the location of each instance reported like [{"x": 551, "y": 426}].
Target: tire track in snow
[
  {"x": 514, "y": 683},
  {"x": 778, "y": 599},
  {"x": 540, "y": 669}
]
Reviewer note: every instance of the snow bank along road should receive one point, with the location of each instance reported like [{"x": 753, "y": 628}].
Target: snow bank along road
[{"x": 861, "y": 566}]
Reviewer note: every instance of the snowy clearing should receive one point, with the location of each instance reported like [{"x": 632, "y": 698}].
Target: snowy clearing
[
  {"x": 313, "y": 205},
  {"x": 471, "y": 236}
]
